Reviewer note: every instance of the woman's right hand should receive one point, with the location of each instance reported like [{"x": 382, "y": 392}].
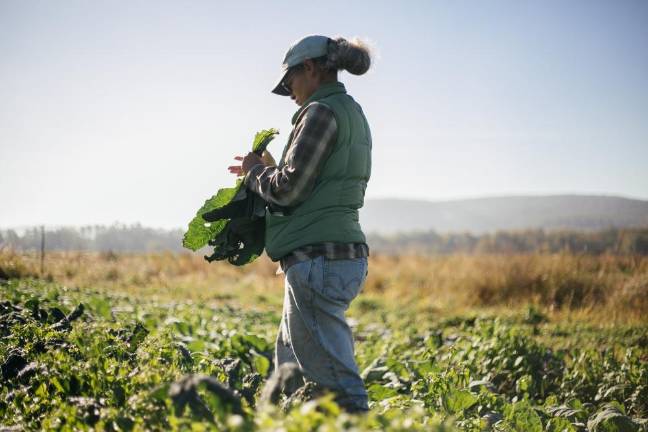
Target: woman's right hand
[
  {"x": 236, "y": 169},
  {"x": 266, "y": 158}
]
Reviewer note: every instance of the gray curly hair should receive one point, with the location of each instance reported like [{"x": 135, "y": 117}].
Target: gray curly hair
[{"x": 352, "y": 55}]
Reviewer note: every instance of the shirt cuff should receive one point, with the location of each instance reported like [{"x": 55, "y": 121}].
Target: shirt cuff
[{"x": 251, "y": 175}]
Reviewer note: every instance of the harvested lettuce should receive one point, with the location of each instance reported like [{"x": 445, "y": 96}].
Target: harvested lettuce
[{"x": 232, "y": 221}]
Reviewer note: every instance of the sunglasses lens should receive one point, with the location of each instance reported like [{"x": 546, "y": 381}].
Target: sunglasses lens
[{"x": 289, "y": 76}]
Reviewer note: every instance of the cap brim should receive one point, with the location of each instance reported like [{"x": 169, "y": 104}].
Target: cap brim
[{"x": 279, "y": 88}]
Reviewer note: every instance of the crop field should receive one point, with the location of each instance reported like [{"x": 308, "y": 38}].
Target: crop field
[{"x": 169, "y": 342}]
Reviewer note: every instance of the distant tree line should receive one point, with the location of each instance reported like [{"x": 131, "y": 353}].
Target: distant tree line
[
  {"x": 610, "y": 241},
  {"x": 137, "y": 238},
  {"x": 116, "y": 237}
]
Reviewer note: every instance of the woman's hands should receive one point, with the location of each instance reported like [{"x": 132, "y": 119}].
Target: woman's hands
[
  {"x": 268, "y": 160},
  {"x": 250, "y": 160}
]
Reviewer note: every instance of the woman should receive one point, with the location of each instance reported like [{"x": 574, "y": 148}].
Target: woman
[{"x": 312, "y": 226}]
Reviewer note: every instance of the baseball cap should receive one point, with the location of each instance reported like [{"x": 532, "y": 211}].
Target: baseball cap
[{"x": 311, "y": 46}]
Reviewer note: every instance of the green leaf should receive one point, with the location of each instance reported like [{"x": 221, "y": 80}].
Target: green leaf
[
  {"x": 455, "y": 400},
  {"x": 261, "y": 364},
  {"x": 196, "y": 345},
  {"x": 100, "y": 306},
  {"x": 200, "y": 232},
  {"x": 256, "y": 342},
  {"x": 262, "y": 139},
  {"x": 56, "y": 383},
  {"x": 41, "y": 391},
  {"x": 560, "y": 424},
  {"x": 160, "y": 392},
  {"x": 611, "y": 419},
  {"x": 523, "y": 384},
  {"x": 522, "y": 417},
  {"x": 379, "y": 392}
]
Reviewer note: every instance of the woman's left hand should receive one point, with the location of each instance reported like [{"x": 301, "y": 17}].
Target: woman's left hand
[{"x": 247, "y": 163}]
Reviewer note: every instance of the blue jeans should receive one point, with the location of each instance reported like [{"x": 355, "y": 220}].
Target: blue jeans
[{"x": 314, "y": 332}]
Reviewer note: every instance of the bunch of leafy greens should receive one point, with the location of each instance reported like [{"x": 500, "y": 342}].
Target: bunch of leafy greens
[{"x": 232, "y": 221}]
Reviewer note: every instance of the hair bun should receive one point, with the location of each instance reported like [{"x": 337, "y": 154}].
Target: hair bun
[{"x": 353, "y": 55}]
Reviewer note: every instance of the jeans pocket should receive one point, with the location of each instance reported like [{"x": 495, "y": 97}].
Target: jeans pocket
[
  {"x": 344, "y": 278},
  {"x": 300, "y": 278}
]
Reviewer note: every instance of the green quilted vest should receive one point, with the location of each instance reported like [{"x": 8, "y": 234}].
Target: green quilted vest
[{"x": 330, "y": 213}]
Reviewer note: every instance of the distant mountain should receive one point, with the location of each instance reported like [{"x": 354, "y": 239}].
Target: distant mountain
[{"x": 482, "y": 215}]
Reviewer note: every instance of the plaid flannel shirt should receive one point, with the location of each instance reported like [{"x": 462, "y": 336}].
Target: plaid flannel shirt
[{"x": 290, "y": 183}]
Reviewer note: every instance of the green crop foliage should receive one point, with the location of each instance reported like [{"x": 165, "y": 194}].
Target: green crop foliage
[{"x": 137, "y": 363}]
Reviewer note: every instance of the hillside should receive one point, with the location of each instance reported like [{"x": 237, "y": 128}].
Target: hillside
[{"x": 481, "y": 215}]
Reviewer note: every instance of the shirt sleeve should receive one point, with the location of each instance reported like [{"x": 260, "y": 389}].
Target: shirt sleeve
[{"x": 292, "y": 182}]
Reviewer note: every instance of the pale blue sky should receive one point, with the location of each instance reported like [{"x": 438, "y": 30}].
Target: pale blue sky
[{"x": 132, "y": 111}]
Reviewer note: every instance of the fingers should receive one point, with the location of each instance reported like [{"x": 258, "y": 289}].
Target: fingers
[
  {"x": 246, "y": 160},
  {"x": 236, "y": 169}
]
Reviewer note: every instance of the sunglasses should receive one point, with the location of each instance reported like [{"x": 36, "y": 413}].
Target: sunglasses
[{"x": 289, "y": 76}]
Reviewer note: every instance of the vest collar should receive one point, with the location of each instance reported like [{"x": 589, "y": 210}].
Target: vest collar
[{"x": 322, "y": 91}]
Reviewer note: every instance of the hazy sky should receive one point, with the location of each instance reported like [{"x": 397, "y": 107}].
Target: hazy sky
[{"x": 131, "y": 111}]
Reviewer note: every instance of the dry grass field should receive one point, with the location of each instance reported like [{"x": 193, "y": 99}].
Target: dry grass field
[{"x": 613, "y": 288}]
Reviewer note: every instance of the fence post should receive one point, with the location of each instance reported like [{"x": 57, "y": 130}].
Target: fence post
[{"x": 42, "y": 263}]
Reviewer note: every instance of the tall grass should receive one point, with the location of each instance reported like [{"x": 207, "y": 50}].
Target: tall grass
[
  {"x": 610, "y": 287},
  {"x": 13, "y": 265},
  {"x": 613, "y": 286}
]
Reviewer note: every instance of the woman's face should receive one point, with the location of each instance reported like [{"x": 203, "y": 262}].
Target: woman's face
[{"x": 303, "y": 82}]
